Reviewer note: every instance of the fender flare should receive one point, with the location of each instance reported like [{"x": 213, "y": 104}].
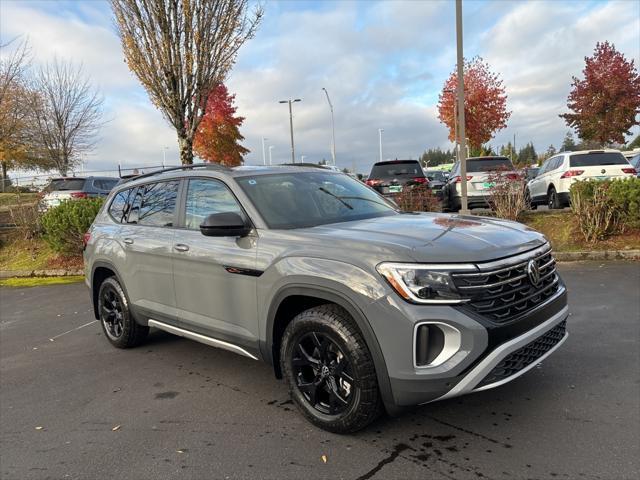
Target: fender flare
[
  {"x": 103, "y": 264},
  {"x": 358, "y": 316}
]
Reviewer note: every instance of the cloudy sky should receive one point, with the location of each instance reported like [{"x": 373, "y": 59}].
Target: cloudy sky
[{"x": 383, "y": 63}]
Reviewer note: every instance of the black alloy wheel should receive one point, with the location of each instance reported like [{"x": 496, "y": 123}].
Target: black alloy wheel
[
  {"x": 117, "y": 321},
  {"x": 323, "y": 373},
  {"x": 111, "y": 313}
]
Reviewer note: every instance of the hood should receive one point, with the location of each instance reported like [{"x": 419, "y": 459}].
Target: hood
[{"x": 436, "y": 237}]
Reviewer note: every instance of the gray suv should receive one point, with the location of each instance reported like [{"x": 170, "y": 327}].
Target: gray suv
[{"x": 358, "y": 306}]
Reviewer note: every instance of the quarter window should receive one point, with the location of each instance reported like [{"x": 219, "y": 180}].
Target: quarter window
[
  {"x": 206, "y": 197},
  {"x": 119, "y": 206},
  {"x": 158, "y": 205}
]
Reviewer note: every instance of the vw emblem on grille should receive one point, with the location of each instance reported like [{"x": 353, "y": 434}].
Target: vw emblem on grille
[{"x": 533, "y": 272}]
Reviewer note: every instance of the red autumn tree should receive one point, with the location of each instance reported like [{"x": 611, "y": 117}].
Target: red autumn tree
[
  {"x": 605, "y": 103},
  {"x": 485, "y": 103},
  {"x": 218, "y": 137}
]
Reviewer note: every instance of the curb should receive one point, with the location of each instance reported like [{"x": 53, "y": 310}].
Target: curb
[
  {"x": 40, "y": 273},
  {"x": 597, "y": 255}
]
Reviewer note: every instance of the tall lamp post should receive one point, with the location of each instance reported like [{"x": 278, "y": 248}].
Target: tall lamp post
[
  {"x": 293, "y": 151},
  {"x": 333, "y": 129},
  {"x": 463, "y": 148},
  {"x": 264, "y": 155},
  {"x": 270, "y": 148},
  {"x": 380, "y": 130}
]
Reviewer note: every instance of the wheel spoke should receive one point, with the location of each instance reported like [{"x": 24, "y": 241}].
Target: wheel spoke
[
  {"x": 310, "y": 389},
  {"x": 305, "y": 358}
]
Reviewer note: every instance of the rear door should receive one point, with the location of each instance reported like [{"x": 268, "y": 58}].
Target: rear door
[
  {"x": 147, "y": 240},
  {"x": 537, "y": 186},
  {"x": 215, "y": 277}
]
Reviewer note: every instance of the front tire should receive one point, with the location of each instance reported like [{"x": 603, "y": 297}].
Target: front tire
[
  {"x": 552, "y": 199},
  {"x": 329, "y": 370},
  {"x": 116, "y": 319}
]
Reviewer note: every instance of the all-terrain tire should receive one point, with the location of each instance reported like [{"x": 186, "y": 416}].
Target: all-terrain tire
[
  {"x": 333, "y": 324},
  {"x": 116, "y": 318}
]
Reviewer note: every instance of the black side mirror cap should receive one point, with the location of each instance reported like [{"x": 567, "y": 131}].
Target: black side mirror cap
[{"x": 225, "y": 224}]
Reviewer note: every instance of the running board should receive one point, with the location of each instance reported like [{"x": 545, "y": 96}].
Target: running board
[{"x": 213, "y": 342}]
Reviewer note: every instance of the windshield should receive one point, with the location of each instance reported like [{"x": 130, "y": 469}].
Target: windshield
[
  {"x": 396, "y": 169},
  {"x": 59, "y": 184},
  {"x": 488, "y": 164},
  {"x": 597, "y": 159},
  {"x": 437, "y": 176},
  {"x": 298, "y": 200}
]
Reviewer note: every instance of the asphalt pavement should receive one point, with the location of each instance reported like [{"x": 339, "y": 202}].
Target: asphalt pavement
[{"x": 72, "y": 406}]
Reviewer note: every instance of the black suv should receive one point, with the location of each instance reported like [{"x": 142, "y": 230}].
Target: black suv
[{"x": 396, "y": 175}]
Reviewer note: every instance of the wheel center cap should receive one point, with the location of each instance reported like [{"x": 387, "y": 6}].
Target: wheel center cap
[{"x": 324, "y": 371}]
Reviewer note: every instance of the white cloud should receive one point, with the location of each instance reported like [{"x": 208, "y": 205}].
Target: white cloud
[{"x": 382, "y": 63}]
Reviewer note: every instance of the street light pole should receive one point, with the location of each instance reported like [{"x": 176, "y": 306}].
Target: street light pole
[
  {"x": 333, "y": 129},
  {"x": 380, "y": 130},
  {"x": 462, "y": 151},
  {"x": 164, "y": 156},
  {"x": 264, "y": 156},
  {"x": 270, "y": 148},
  {"x": 293, "y": 151}
]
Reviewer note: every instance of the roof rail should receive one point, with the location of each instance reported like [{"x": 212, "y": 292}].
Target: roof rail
[{"x": 208, "y": 166}]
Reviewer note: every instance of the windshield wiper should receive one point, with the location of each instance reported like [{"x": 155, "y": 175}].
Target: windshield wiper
[
  {"x": 322, "y": 189},
  {"x": 367, "y": 200}
]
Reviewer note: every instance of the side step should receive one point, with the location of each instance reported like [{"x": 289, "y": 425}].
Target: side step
[{"x": 213, "y": 342}]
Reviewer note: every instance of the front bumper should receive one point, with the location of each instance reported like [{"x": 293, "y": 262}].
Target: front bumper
[
  {"x": 489, "y": 355},
  {"x": 515, "y": 357}
]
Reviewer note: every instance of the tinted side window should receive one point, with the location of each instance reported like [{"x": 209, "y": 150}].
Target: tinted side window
[
  {"x": 119, "y": 207},
  {"x": 104, "y": 184},
  {"x": 158, "y": 204},
  {"x": 205, "y": 197}
]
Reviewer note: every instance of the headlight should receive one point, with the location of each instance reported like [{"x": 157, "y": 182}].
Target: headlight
[{"x": 424, "y": 283}]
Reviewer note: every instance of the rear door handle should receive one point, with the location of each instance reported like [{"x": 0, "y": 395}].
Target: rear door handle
[
  {"x": 181, "y": 247},
  {"x": 128, "y": 241}
]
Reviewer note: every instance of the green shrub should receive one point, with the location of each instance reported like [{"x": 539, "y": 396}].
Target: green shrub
[
  {"x": 625, "y": 195},
  {"x": 594, "y": 209},
  {"x": 65, "y": 225}
]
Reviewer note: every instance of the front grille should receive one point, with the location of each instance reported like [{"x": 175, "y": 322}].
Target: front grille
[
  {"x": 522, "y": 358},
  {"x": 505, "y": 293}
]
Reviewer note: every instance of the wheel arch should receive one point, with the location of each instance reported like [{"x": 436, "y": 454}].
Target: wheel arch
[
  {"x": 291, "y": 300},
  {"x": 100, "y": 271}
]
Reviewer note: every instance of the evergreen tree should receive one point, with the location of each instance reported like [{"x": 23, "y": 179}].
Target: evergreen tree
[{"x": 568, "y": 144}]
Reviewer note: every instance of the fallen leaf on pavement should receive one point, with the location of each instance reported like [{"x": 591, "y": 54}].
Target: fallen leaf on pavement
[
  {"x": 117, "y": 427},
  {"x": 324, "y": 458},
  {"x": 39, "y": 428}
]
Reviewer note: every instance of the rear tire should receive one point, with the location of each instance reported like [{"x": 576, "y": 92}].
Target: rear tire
[
  {"x": 528, "y": 202},
  {"x": 552, "y": 199},
  {"x": 329, "y": 370},
  {"x": 116, "y": 319}
]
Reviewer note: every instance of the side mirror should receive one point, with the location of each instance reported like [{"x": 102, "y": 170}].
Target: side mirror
[{"x": 226, "y": 224}]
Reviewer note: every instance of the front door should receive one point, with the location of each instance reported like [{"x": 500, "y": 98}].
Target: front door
[{"x": 215, "y": 278}]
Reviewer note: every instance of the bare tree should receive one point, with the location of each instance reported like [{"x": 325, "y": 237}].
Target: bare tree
[
  {"x": 181, "y": 49},
  {"x": 66, "y": 114}
]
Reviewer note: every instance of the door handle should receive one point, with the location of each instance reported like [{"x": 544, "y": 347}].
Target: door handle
[
  {"x": 181, "y": 247},
  {"x": 128, "y": 241}
]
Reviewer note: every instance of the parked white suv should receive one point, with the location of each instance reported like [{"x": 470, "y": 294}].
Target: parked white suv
[{"x": 551, "y": 185}]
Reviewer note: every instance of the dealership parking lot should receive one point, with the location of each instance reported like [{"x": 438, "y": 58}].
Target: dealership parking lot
[{"x": 72, "y": 406}]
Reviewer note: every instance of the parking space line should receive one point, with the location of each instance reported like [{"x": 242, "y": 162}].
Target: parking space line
[{"x": 72, "y": 330}]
